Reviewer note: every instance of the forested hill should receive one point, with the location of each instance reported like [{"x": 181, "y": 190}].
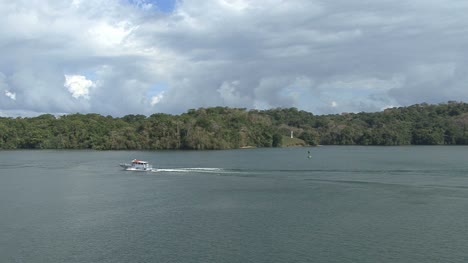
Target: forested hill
[{"x": 229, "y": 128}]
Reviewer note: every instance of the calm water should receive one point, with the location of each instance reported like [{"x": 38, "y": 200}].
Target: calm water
[{"x": 345, "y": 204}]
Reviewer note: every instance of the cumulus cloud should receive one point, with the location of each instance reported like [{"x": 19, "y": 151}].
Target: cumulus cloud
[
  {"x": 10, "y": 94},
  {"x": 78, "y": 86},
  {"x": 321, "y": 56},
  {"x": 156, "y": 99}
]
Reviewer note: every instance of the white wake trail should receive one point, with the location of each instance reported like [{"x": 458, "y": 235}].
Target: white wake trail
[{"x": 186, "y": 170}]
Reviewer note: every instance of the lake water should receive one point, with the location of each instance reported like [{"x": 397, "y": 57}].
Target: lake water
[{"x": 345, "y": 204}]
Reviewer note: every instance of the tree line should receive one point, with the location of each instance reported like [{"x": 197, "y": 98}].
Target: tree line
[{"x": 230, "y": 128}]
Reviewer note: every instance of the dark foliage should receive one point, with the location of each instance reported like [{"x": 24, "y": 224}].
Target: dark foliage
[{"x": 228, "y": 128}]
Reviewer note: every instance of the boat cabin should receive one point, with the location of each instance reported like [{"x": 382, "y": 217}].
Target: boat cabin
[{"x": 140, "y": 164}]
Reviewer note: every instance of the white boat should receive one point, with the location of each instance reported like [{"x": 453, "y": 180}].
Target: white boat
[{"x": 137, "y": 165}]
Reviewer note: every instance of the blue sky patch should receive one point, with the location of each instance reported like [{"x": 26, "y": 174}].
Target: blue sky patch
[
  {"x": 157, "y": 89},
  {"x": 165, "y": 6}
]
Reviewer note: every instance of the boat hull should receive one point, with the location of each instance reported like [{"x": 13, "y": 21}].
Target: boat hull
[{"x": 140, "y": 170}]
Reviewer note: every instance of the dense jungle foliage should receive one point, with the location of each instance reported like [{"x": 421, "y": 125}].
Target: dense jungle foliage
[{"x": 228, "y": 128}]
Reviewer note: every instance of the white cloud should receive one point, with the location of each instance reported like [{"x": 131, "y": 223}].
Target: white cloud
[
  {"x": 230, "y": 94},
  {"x": 156, "y": 99},
  {"x": 10, "y": 94},
  {"x": 239, "y": 53},
  {"x": 237, "y": 5},
  {"x": 76, "y": 3},
  {"x": 107, "y": 35},
  {"x": 78, "y": 86},
  {"x": 387, "y": 107}
]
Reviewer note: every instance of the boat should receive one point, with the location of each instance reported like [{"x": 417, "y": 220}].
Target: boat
[{"x": 137, "y": 165}]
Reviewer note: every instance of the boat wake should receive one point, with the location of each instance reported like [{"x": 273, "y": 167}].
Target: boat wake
[{"x": 190, "y": 170}]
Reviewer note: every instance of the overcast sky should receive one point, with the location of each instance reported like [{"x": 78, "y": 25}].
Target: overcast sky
[{"x": 118, "y": 57}]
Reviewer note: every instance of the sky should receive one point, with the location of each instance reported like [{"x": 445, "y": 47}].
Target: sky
[{"x": 119, "y": 57}]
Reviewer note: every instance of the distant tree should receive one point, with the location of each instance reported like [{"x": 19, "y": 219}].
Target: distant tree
[{"x": 228, "y": 128}]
